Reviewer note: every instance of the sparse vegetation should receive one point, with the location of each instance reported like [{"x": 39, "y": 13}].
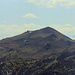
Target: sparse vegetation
[{"x": 43, "y": 52}]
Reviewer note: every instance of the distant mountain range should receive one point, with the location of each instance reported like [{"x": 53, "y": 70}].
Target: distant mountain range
[{"x": 41, "y": 52}]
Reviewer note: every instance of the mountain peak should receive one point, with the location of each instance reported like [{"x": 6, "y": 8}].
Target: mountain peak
[
  {"x": 40, "y": 52},
  {"x": 47, "y": 28}
]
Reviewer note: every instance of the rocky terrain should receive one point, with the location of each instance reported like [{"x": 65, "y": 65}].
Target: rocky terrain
[{"x": 41, "y": 52}]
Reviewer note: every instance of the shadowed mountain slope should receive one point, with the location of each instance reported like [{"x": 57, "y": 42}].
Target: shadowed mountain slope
[{"x": 41, "y": 52}]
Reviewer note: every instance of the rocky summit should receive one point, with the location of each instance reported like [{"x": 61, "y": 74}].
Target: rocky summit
[{"x": 41, "y": 52}]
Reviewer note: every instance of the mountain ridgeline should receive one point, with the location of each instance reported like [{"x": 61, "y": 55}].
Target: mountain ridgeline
[{"x": 41, "y": 52}]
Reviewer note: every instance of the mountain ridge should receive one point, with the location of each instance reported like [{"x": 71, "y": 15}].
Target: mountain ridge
[
  {"x": 30, "y": 31},
  {"x": 42, "y": 52}
]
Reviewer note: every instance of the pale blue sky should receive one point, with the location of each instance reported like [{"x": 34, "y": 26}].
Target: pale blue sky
[{"x": 17, "y": 16}]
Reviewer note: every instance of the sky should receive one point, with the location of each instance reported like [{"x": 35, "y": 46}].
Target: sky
[{"x": 18, "y": 16}]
